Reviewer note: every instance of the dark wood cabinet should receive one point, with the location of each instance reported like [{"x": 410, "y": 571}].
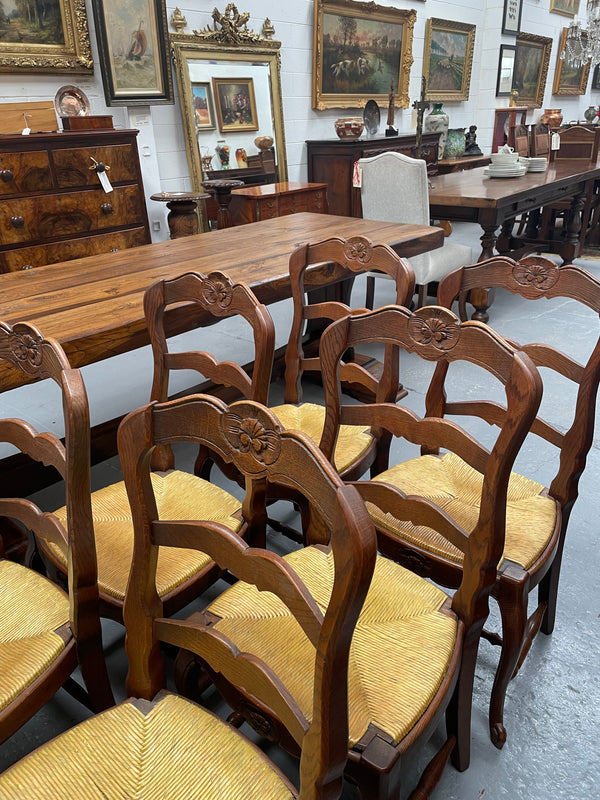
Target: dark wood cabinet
[
  {"x": 331, "y": 161},
  {"x": 256, "y": 203},
  {"x": 52, "y": 205}
]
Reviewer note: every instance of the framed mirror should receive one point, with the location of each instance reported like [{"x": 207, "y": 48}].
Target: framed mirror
[{"x": 229, "y": 81}]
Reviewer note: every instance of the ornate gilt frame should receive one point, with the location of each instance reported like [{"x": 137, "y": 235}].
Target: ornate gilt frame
[
  {"x": 582, "y": 73},
  {"x": 448, "y": 26},
  {"x": 75, "y": 55},
  {"x": 368, "y": 12},
  {"x": 230, "y": 41},
  {"x": 530, "y": 41}
]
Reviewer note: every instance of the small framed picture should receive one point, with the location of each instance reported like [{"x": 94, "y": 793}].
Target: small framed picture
[
  {"x": 235, "y": 104},
  {"x": 568, "y": 8},
  {"x": 596, "y": 79},
  {"x": 506, "y": 67},
  {"x": 511, "y": 18},
  {"x": 204, "y": 116}
]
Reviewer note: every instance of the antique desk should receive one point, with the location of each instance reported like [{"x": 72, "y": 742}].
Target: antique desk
[
  {"x": 495, "y": 202},
  {"x": 94, "y": 306}
]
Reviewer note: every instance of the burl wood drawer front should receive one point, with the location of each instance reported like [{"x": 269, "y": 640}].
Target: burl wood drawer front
[
  {"x": 27, "y": 257},
  {"x": 53, "y": 216},
  {"x": 267, "y": 209},
  {"x": 293, "y": 204},
  {"x": 72, "y": 167},
  {"x": 24, "y": 172}
]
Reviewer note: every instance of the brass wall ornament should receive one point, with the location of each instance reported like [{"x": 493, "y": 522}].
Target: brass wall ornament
[
  {"x": 232, "y": 27},
  {"x": 32, "y": 48}
]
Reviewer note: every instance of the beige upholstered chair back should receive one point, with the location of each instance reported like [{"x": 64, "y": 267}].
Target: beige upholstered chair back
[{"x": 394, "y": 175}]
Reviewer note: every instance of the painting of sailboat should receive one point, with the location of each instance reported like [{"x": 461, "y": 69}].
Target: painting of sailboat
[{"x": 132, "y": 34}]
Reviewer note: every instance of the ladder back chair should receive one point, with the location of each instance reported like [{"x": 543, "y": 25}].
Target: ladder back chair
[
  {"x": 356, "y": 447},
  {"x": 539, "y": 137},
  {"x": 413, "y": 653},
  {"x": 521, "y": 140},
  {"x": 182, "y": 575},
  {"x": 395, "y": 188},
  {"x": 45, "y": 632},
  {"x": 162, "y": 743},
  {"x": 538, "y": 517}
]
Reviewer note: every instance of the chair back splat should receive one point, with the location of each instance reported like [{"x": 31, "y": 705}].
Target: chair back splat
[
  {"x": 46, "y": 632},
  {"x": 534, "y": 555},
  {"x": 250, "y": 436}
]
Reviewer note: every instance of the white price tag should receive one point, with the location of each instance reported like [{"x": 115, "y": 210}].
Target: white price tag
[
  {"x": 104, "y": 182},
  {"x": 555, "y": 143}
]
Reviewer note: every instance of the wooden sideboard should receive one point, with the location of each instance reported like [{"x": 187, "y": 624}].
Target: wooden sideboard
[
  {"x": 255, "y": 203},
  {"x": 331, "y": 161},
  {"x": 52, "y": 205}
]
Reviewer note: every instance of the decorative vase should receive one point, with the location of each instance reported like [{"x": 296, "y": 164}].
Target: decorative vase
[
  {"x": 591, "y": 114},
  {"x": 552, "y": 117},
  {"x": 437, "y": 122},
  {"x": 241, "y": 158},
  {"x": 222, "y": 150},
  {"x": 455, "y": 143},
  {"x": 349, "y": 128}
]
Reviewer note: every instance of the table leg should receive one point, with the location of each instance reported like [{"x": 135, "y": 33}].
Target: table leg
[{"x": 482, "y": 299}]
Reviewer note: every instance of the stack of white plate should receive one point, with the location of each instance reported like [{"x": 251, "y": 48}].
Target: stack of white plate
[
  {"x": 505, "y": 170},
  {"x": 537, "y": 164}
]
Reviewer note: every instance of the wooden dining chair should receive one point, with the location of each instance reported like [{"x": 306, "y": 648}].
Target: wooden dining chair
[
  {"x": 45, "y": 631},
  {"x": 413, "y": 654},
  {"x": 182, "y": 574},
  {"x": 157, "y": 743},
  {"x": 539, "y": 137},
  {"x": 537, "y": 526},
  {"x": 577, "y": 144},
  {"x": 521, "y": 140}
]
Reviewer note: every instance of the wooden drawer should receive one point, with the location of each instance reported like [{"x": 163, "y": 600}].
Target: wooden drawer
[
  {"x": 293, "y": 204},
  {"x": 24, "y": 172},
  {"x": 53, "y": 216},
  {"x": 26, "y": 257},
  {"x": 267, "y": 209},
  {"x": 72, "y": 167}
]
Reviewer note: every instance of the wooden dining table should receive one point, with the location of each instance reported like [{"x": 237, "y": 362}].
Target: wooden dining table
[
  {"x": 494, "y": 203},
  {"x": 94, "y": 306}
]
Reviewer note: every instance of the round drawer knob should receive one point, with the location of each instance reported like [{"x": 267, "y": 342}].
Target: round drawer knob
[
  {"x": 106, "y": 208},
  {"x": 6, "y": 175},
  {"x": 27, "y": 266},
  {"x": 17, "y": 222}
]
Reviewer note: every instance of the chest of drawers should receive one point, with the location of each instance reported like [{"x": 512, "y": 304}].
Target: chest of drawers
[
  {"x": 52, "y": 205},
  {"x": 254, "y": 203}
]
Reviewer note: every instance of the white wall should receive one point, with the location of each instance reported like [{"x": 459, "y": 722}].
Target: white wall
[{"x": 162, "y": 146}]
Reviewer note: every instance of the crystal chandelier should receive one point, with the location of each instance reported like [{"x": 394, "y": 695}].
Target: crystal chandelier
[{"x": 583, "y": 45}]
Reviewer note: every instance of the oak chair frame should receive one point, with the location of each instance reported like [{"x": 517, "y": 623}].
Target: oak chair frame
[
  {"x": 536, "y": 278},
  {"x": 24, "y": 346}
]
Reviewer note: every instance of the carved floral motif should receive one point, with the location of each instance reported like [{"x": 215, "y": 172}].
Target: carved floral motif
[
  {"x": 250, "y": 436},
  {"x": 541, "y": 274},
  {"x": 217, "y": 290},
  {"x": 434, "y": 326},
  {"x": 26, "y": 349},
  {"x": 358, "y": 250}
]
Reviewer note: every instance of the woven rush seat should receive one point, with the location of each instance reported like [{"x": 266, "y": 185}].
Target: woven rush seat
[
  {"x": 353, "y": 440},
  {"x": 32, "y": 610},
  {"x": 147, "y": 744},
  {"x": 179, "y": 495},
  {"x": 456, "y": 487},
  {"x": 400, "y": 651}
]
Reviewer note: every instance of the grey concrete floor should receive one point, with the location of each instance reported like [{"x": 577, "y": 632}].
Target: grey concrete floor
[{"x": 553, "y": 706}]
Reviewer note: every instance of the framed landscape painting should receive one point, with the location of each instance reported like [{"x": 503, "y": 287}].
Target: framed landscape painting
[
  {"x": 56, "y": 41},
  {"x": 447, "y": 59},
  {"x": 134, "y": 51},
  {"x": 531, "y": 68},
  {"x": 236, "y": 104},
  {"x": 204, "y": 116},
  {"x": 361, "y": 52},
  {"x": 569, "y": 80}
]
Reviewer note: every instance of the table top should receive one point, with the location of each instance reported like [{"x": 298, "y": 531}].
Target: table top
[
  {"x": 93, "y": 305},
  {"x": 473, "y": 189}
]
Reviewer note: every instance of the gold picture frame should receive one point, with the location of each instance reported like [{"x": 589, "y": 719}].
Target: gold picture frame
[
  {"x": 569, "y": 80},
  {"x": 448, "y": 59},
  {"x": 531, "y": 68},
  {"x": 62, "y": 45},
  {"x": 568, "y": 8},
  {"x": 236, "y": 104},
  {"x": 372, "y": 52}
]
